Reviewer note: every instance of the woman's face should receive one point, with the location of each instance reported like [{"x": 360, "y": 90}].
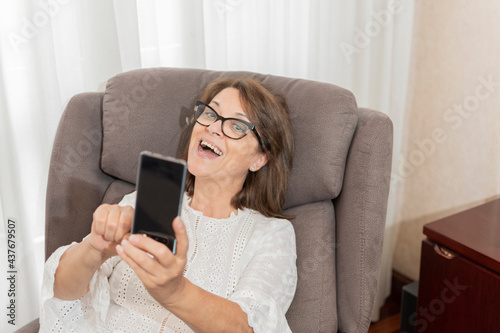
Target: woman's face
[{"x": 214, "y": 156}]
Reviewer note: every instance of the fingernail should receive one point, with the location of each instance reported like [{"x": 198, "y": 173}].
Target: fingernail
[
  {"x": 125, "y": 242},
  {"x": 178, "y": 222},
  {"x": 133, "y": 239},
  {"x": 119, "y": 249}
]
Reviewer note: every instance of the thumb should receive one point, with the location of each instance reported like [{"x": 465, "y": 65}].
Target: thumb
[{"x": 181, "y": 237}]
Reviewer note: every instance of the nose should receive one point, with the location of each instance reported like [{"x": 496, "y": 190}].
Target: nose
[{"x": 215, "y": 128}]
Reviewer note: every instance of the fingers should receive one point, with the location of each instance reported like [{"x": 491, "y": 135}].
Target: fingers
[
  {"x": 112, "y": 222},
  {"x": 137, "y": 248},
  {"x": 157, "y": 264},
  {"x": 124, "y": 223},
  {"x": 124, "y": 252},
  {"x": 159, "y": 250},
  {"x": 99, "y": 219}
]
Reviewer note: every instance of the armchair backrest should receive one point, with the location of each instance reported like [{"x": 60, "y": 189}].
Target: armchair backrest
[{"x": 339, "y": 228}]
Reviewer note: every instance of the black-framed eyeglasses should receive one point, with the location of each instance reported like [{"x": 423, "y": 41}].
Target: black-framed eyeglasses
[{"x": 233, "y": 128}]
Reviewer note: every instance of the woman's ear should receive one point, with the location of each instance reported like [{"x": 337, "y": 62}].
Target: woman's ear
[{"x": 259, "y": 162}]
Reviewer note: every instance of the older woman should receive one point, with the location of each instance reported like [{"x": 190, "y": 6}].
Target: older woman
[{"x": 234, "y": 269}]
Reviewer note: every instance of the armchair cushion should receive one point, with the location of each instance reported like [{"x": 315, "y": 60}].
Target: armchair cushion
[{"x": 314, "y": 307}]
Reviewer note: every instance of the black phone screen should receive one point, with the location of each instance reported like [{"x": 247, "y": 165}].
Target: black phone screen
[{"x": 160, "y": 188}]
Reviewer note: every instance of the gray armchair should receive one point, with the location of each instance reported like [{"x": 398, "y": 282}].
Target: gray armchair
[{"x": 338, "y": 188}]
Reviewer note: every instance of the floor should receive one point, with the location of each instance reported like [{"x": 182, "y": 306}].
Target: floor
[
  {"x": 390, "y": 317},
  {"x": 387, "y": 325}
]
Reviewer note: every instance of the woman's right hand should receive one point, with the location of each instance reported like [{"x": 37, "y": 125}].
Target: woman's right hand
[{"x": 111, "y": 223}]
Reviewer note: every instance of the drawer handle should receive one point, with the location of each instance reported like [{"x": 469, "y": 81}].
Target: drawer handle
[{"x": 443, "y": 252}]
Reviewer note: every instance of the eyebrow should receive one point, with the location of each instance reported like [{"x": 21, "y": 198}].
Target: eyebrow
[{"x": 236, "y": 114}]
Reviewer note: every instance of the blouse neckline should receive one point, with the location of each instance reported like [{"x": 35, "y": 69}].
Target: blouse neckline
[{"x": 186, "y": 205}]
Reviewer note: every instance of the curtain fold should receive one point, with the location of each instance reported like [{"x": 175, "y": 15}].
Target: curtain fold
[{"x": 51, "y": 50}]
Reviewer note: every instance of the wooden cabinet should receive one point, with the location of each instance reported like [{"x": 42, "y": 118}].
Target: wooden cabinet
[{"x": 459, "y": 285}]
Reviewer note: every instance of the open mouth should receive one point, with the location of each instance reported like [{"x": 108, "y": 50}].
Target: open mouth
[{"x": 209, "y": 148}]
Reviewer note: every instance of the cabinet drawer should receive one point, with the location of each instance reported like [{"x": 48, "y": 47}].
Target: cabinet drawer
[{"x": 455, "y": 293}]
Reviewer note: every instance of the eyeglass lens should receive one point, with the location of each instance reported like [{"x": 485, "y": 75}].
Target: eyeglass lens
[{"x": 232, "y": 128}]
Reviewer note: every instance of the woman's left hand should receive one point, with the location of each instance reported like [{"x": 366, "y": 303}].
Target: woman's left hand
[{"x": 162, "y": 274}]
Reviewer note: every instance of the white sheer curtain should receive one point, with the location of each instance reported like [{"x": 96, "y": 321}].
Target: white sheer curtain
[
  {"x": 49, "y": 51},
  {"x": 52, "y": 49}
]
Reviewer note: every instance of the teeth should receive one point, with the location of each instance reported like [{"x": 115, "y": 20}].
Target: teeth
[{"x": 215, "y": 150}]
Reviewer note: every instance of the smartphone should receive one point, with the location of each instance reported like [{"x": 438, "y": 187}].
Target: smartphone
[{"x": 160, "y": 189}]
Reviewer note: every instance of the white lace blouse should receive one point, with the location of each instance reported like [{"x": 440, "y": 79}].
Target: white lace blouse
[{"x": 247, "y": 258}]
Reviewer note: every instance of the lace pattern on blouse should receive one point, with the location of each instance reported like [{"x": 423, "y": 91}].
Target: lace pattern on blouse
[{"x": 247, "y": 258}]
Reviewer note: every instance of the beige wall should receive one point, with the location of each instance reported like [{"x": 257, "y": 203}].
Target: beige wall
[{"x": 451, "y": 159}]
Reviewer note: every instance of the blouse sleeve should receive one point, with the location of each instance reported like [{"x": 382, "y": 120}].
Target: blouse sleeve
[
  {"x": 85, "y": 314},
  {"x": 82, "y": 315},
  {"x": 268, "y": 283}
]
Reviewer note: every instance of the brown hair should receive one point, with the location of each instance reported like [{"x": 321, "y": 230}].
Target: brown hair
[{"x": 265, "y": 189}]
